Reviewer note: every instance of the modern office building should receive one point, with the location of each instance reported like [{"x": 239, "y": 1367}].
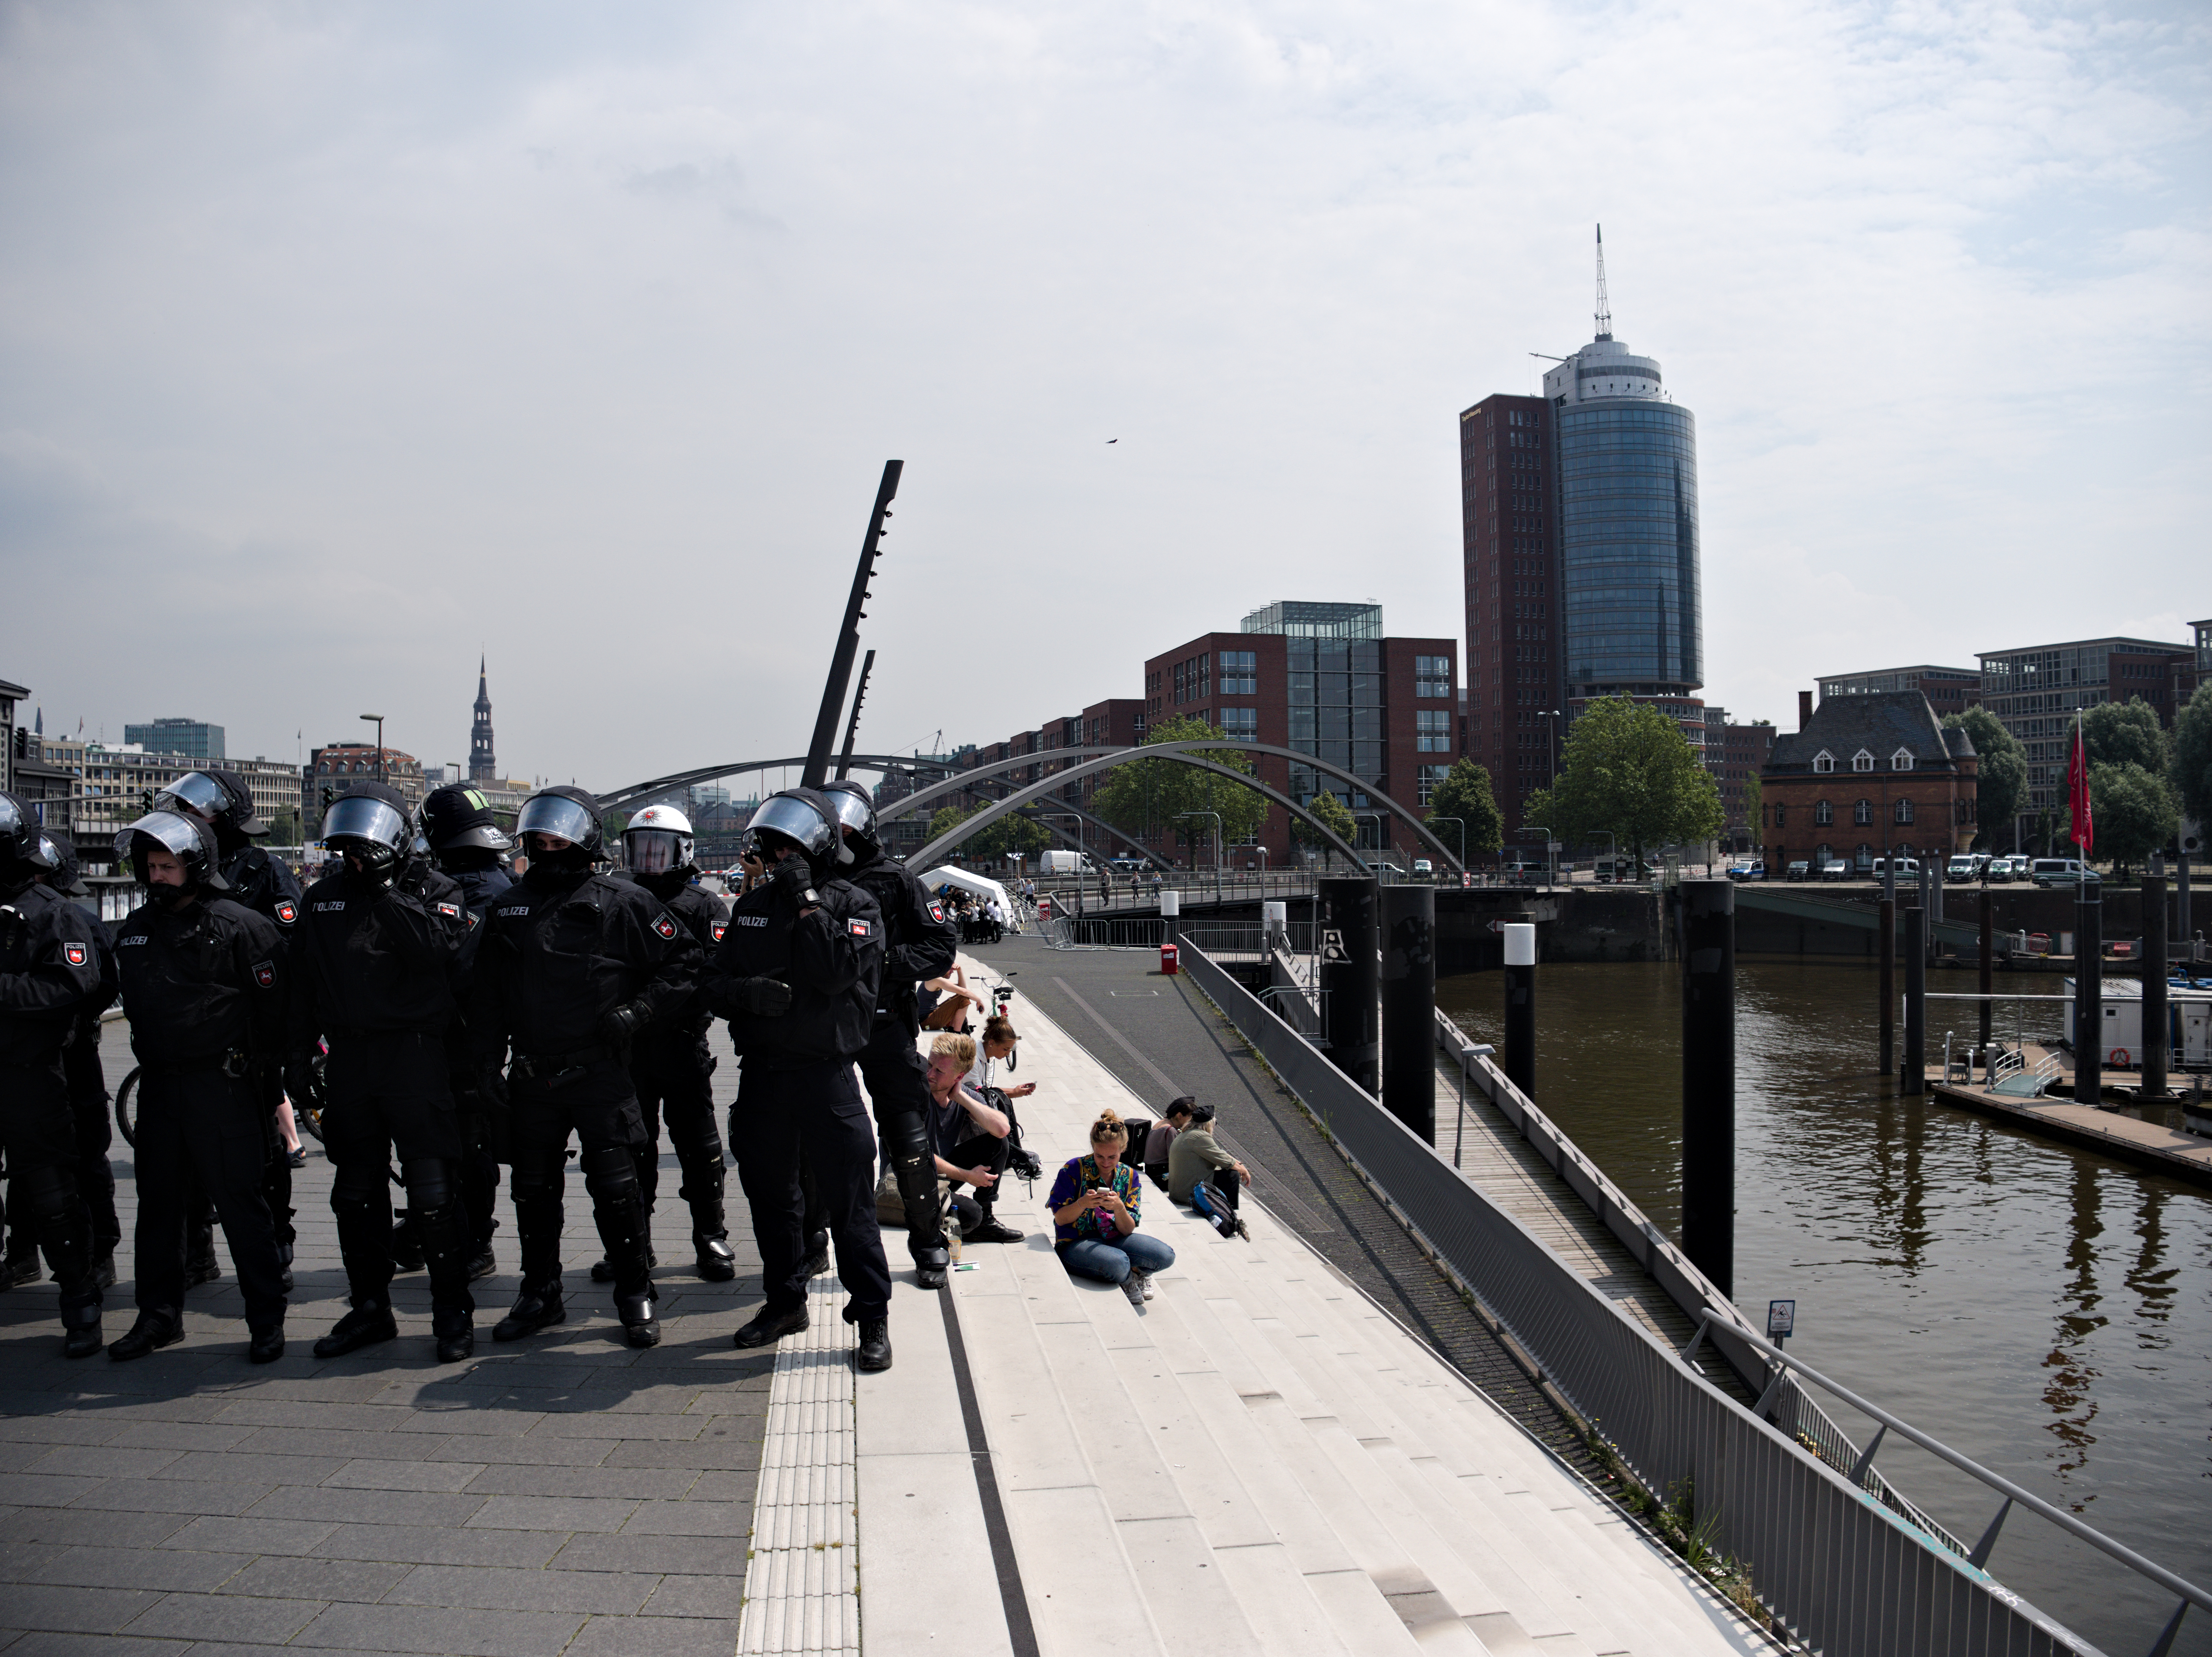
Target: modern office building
[
  {"x": 1949, "y": 690},
  {"x": 1735, "y": 754},
  {"x": 1579, "y": 511},
  {"x": 194, "y": 738},
  {"x": 11, "y": 693},
  {"x": 109, "y": 787},
  {"x": 2035, "y": 691}
]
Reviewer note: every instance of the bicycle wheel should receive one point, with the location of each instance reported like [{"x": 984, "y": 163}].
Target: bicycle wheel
[{"x": 127, "y": 1101}]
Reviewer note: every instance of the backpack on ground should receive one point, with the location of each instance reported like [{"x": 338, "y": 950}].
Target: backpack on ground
[{"x": 1207, "y": 1204}]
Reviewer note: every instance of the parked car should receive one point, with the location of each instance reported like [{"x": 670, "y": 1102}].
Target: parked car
[
  {"x": 1797, "y": 870},
  {"x": 1907, "y": 868},
  {"x": 1746, "y": 871},
  {"x": 1423, "y": 870},
  {"x": 1965, "y": 866},
  {"x": 2008, "y": 868},
  {"x": 2062, "y": 871},
  {"x": 1836, "y": 869}
]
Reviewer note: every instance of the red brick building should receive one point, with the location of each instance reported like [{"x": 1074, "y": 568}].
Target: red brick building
[{"x": 1867, "y": 776}]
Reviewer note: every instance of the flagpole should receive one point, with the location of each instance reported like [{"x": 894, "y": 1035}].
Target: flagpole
[{"x": 2089, "y": 935}]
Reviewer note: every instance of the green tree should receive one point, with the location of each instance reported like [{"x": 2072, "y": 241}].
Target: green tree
[
  {"x": 1142, "y": 796},
  {"x": 1754, "y": 809},
  {"x": 2134, "y": 810},
  {"x": 2001, "y": 774},
  {"x": 1627, "y": 770},
  {"x": 1009, "y": 835},
  {"x": 2124, "y": 733},
  {"x": 2192, "y": 755},
  {"x": 1465, "y": 793},
  {"x": 1332, "y": 811}
]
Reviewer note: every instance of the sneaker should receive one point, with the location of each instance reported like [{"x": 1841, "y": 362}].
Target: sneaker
[
  {"x": 1133, "y": 1287},
  {"x": 1144, "y": 1282},
  {"x": 1243, "y": 1229}
]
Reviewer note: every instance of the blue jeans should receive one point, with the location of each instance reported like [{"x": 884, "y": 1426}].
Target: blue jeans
[{"x": 1111, "y": 1262}]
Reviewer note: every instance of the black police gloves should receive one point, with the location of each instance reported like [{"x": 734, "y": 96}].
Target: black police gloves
[
  {"x": 618, "y": 1025},
  {"x": 764, "y": 997},
  {"x": 791, "y": 878},
  {"x": 491, "y": 1085}
]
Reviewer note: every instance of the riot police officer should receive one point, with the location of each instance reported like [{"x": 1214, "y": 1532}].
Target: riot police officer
[
  {"x": 920, "y": 943},
  {"x": 570, "y": 965},
  {"x": 49, "y": 971},
  {"x": 376, "y": 965},
  {"x": 258, "y": 882},
  {"x": 669, "y": 1062},
  {"x": 797, "y": 975},
  {"x": 203, "y": 988},
  {"x": 88, "y": 1083}
]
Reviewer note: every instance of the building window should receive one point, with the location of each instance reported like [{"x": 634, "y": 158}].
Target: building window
[
  {"x": 1901, "y": 759},
  {"x": 1905, "y": 811},
  {"x": 1240, "y": 673},
  {"x": 1824, "y": 762},
  {"x": 1781, "y": 815},
  {"x": 1862, "y": 813},
  {"x": 1430, "y": 779},
  {"x": 1432, "y": 675},
  {"x": 1823, "y": 814},
  {"x": 1432, "y": 727},
  {"x": 1241, "y": 724},
  {"x": 1862, "y": 761}
]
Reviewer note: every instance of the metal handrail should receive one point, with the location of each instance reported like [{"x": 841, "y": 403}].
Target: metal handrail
[{"x": 2013, "y": 1494}]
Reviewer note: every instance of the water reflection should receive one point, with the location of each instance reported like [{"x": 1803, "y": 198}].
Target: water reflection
[{"x": 2022, "y": 1301}]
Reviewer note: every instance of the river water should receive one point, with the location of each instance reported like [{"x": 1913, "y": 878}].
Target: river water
[{"x": 2045, "y": 1311}]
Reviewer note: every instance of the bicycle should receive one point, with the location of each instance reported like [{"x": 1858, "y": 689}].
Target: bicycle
[{"x": 307, "y": 1113}]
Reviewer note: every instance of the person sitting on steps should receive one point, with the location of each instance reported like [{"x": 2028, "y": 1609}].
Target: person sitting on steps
[
  {"x": 969, "y": 1137},
  {"x": 1161, "y": 1140},
  {"x": 1195, "y": 1159},
  {"x": 1096, "y": 1203}
]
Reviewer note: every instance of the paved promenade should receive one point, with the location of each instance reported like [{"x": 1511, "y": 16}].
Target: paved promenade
[{"x": 562, "y": 1494}]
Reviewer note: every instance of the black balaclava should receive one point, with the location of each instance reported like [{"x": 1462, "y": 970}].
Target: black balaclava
[{"x": 666, "y": 884}]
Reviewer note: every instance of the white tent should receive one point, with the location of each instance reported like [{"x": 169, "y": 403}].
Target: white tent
[{"x": 981, "y": 885}]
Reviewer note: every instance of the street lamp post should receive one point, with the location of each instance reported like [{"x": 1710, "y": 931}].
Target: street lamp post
[
  {"x": 1215, "y": 816},
  {"x": 377, "y": 720}
]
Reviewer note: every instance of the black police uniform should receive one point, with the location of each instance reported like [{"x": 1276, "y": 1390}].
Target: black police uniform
[
  {"x": 203, "y": 988},
  {"x": 558, "y": 952},
  {"x": 672, "y": 1068},
  {"x": 377, "y": 971},
  {"x": 797, "y": 1092},
  {"x": 50, "y": 972},
  {"x": 480, "y": 887},
  {"x": 89, "y": 1102},
  {"x": 262, "y": 884},
  {"x": 920, "y": 943}
]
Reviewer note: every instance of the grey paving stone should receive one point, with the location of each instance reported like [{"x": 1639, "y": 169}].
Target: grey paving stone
[
  {"x": 719, "y": 1485},
  {"x": 13, "y": 1458},
  {"x": 246, "y": 1465},
  {"x": 251, "y": 1535},
  {"x": 638, "y": 1483},
  {"x": 689, "y": 1556},
  {"x": 43, "y": 1606},
  {"x": 711, "y": 1453},
  {"x": 185, "y": 1496},
  {"x": 487, "y": 1423},
  {"x": 348, "y": 1444},
  {"x": 367, "y": 1473},
  {"x": 551, "y": 1513},
  {"x": 411, "y": 1545},
  {"x": 109, "y": 1460},
  {"x": 655, "y": 1636},
  {"x": 18, "y": 1426},
  {"x": 532, "y": 1450},
  {"x": 362, "y": 1580},
  {"x": 72, "y": 1525},
  {"x": 44, "y": 1490},
  {"x": 49, "y": 1642},
  {"x": 711, "y": 1518},
  {"x": 609, "y": 1593},
  {"x": 240, "y": 1617},
  {"x": 159, "y": 1569},
  {"x": 425, "y": 1508},
  {"x": 441, "y": 1630},
  {"x": 300, "y": 1412},
  {"x": 697, "y": 1596},
  {"x": 180, "y": 1435},
  {"x": 21, "y": 1561},
  {"x": 663, "y": 1427}
]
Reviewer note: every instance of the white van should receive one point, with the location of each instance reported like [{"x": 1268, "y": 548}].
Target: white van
[{"x": 2062, "y": 871}]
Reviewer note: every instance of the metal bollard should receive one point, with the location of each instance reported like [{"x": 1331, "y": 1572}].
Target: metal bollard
[
  {"x": 1912, "y": 1074},
  {"x": 1520, "y": 1065},
  {"x": 1409, "y": 1006},
  {"x": 1709, "y": 1079}
]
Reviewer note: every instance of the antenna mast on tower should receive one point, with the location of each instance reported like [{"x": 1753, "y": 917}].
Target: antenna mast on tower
[{"x": 1604, "y": 306}]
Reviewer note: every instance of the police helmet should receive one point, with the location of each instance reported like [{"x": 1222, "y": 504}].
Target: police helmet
[
  {"x": 796, "y": 816},
  {"x": 569, "y": 813},
  {"x": 214, "y": 795},
  {"x": 455, "y": 817},
  {"x": 60, "y": 862},
  {"x": 854, "y": 810},
  {"x": 20, "y": 837},
  {"x": 658, "y": 841},
  {"x": 370, "y": 818},
  {"x": 184, "y": 835}
]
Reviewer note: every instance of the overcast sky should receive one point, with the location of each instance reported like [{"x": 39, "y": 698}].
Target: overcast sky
[{"x": 337, "y": 342}]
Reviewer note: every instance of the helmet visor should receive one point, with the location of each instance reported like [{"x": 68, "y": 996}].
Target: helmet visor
[
  {"x": 371, "y": 820},
  {"x": 556, "y": 814},
  {"x": 656, "y": 851},
  {"x": 853, "y": 810},
  {"x": 197, "y": 792},
  {"x": 44, "y": 854},
  {"x": 794, "y": 819},
  {"x": 11, "y": 818},
  {"x": 175, "y": 832}
]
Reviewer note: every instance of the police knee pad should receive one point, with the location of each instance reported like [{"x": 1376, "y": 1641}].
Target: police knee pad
[
  {"x": 431, "y": 1182},
  {"x": 610, "y": 1174},
  {"x": 905, "y": 1139},
  {"x": 43, "y": 1195},
  {"x": 534, "y": 1177},
  {"x": 359, "y": 1183}
]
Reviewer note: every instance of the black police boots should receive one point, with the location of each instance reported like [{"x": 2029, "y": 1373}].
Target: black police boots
[
  {"x": 369, "y": 1323},
  {"x": 717, "y": 1263},
  {"x": 456, "y": 1332},
  {"x": 199, "y": 1254},
  {"x": 149, "y": 1333},
  {"x": 81, "y": 1332},
  {"x": 537, "y": 1307},
  {"x": 266, "y": 1346},
  {"x": 874, "y": 1352},
  {"x": 21, "y": 1266},
  {"x": 817, "y": 1255},
  {"x": 481, "y": 1262},
  {"x": 103, "y": 1269},
  {"x": 640, "y": 1327},
  {"x": 768, "y": 1326}
]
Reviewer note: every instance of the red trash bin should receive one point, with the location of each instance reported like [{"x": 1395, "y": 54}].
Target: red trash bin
[{"x": 1168, "y": 960}]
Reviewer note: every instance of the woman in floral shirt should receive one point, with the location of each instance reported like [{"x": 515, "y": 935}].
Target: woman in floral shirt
[{"x": 1095, "y": 1204}]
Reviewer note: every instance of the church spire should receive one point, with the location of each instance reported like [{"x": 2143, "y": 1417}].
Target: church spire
[
  {"x": 483, "y": 767},
  {"x": 1604, "y": 306}
]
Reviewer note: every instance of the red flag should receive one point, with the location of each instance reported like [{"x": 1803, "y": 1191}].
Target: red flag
[{"x": 2077, "y": 793}]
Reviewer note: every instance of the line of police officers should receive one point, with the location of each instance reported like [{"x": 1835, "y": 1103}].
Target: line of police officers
[{"x": 462, "y": 1019}]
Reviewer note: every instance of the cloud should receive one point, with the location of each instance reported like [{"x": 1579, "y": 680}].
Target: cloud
[{"x": 582, "y": 339}]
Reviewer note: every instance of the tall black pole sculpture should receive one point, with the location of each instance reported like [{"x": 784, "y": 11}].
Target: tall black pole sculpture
[
  {"x": 848, "y": 639},
  {"x": 853, "y": 724}
]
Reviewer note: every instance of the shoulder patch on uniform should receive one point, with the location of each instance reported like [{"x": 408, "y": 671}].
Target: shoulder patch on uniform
[
  {"x": 451, "y": 911},
  {"x": 264, "y": 973},
  {"x": 287, "y": 911},
  {"x": 936, "y": 911},
  {"x": 76, "y": 954},
  {"x": 859, "y": 928},
  {"x": 664, "y": 926},
  {"x": 472, "y": 919},
  {"x": 720, "y": 926}
]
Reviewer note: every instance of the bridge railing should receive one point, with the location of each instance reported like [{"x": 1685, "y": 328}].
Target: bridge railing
[{"x": 1845, "y": 1571}]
